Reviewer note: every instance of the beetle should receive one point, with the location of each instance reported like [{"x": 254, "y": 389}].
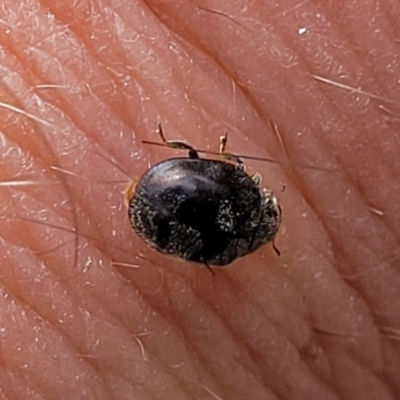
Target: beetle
[{"x": 208, "y": 211}]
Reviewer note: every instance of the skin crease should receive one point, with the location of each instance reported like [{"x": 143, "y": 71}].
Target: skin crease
[{"x": 97, "y": 314}]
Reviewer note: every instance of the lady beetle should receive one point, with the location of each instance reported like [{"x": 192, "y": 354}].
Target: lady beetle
[{"x": 203, "y": 210}]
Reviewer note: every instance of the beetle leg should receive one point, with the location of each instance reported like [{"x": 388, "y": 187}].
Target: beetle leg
[
  {"x": 177, "y": 144},
  {"x": 223, "y": 140},
  {"x": 209, "y": 268},
  {"x": 257, "y": 178},
  {"x": 278, "y": 253}
]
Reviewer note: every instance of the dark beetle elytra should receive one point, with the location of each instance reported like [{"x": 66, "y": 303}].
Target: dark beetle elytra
[{"x": 202, "y": 210}]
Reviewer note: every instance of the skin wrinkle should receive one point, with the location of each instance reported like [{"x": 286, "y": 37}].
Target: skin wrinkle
[
  {"x": 100, "y": 302},
  {"x": 355, "y": 41},
  {"x": 378, "y": 222},
  {"x": 345, "y": 34},
  {"x": 92, "y": 363},
  {"x": 28, "y": 372},
  {"x": 83, "y": 203},
  {"x": 179, "y": 321},
  {"x": 248, "y": 344},
  {"x": 253, "y": 350},
  {"x": 86, "y": 127},
  {"x": 203, "y": 356},
  {"x": 26, "y": 303},
  {"x": 171, "y": 321},
  {"x": 141, "y": 280},
  {"x": 254, "y": 353}
]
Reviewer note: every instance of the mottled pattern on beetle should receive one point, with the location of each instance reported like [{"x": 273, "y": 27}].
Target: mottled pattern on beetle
[
  {"x": 211, "y": 214},
  {"x": 149, "y": 226},
  {"x": 225, "y": 216},
  {"x": 270, "y": 217},
  {"x": 263, "y": 225}
]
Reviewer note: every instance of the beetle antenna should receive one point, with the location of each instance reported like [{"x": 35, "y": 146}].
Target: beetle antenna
[{"x": 245, "y": 157}]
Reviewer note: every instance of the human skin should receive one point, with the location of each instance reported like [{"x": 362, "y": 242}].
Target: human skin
[{"x": 88, "y": 311}]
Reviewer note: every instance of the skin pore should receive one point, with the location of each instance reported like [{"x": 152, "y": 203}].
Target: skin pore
[{"x": 90, "y": 312}]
